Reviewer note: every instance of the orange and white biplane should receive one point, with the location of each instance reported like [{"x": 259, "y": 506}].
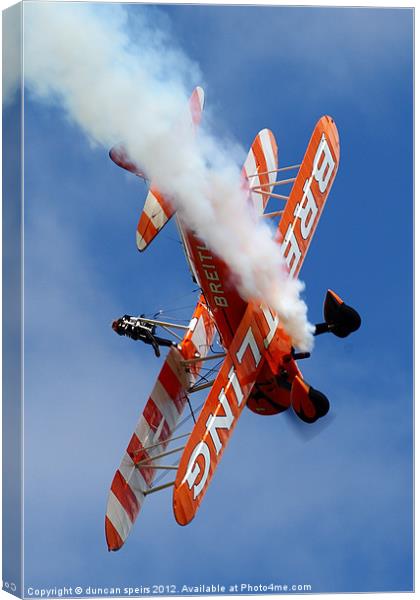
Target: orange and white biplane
[{"x": 258, "y": 363}]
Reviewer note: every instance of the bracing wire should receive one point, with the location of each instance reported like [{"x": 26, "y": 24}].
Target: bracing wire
[
  {"x": 180, "y": 424},
  {"x": 192, "y": 414}
]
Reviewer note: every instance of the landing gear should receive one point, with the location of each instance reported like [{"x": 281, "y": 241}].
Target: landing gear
[
  {"x": 308, "y": 403},
  {"x": 340, "y": 319}
]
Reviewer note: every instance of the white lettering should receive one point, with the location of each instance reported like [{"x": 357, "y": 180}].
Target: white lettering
[
  {"x": 234, "y": 381},
  {"x": 217, "y": 421},
  {"x": 193, "y": 470},
  {"x": 306, "y": 210},
  {"x": 220, "y": 422},
  {"x": 294, "y": 251},
  {"x": 323, "y": 173},
  {"x": 272, "y": 323},
  {"x": 220, "y": 301},
  {"x": 249, "y": 340}
]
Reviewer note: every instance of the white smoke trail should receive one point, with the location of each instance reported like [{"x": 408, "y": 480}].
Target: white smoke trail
[{"x": 120, "y": 90}]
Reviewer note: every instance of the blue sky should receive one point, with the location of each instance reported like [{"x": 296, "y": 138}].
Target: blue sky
[{"x": 333, "y": 509}]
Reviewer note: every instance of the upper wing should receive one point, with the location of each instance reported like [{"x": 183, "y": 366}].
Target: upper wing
[
  {"x": 155, "y": 428},
  {"x": 309, "y": 193},
  {"x": 258, "y": 337},
  {"x": 157, "y": 210}
]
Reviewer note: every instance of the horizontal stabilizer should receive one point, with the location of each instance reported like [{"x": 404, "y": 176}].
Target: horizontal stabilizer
[
  {"x": 157, "y": 209},
  {"x": 156, "y": 213}
]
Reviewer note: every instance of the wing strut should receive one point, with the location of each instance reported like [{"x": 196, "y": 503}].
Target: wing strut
[
  {"x": 280, "y": 170},
  {"x": 148, "y": 461},
  {"x": 158, "y": 488},
  {"x": 202, "y": 386},
  {"x": 173, "y": 439},
  {"x": 193, "y": 361},
  {"x": 265, "y": 188}
]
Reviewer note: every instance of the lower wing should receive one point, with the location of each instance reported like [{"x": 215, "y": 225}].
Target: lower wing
[
  {"x": 257, "y": 340},
  {"x": 134, "y": 478}
]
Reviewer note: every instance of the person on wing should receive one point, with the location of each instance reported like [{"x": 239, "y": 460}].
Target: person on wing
[{"x": 137, "y": 329}]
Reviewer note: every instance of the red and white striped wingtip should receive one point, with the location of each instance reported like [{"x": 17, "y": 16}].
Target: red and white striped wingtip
[
  {"x": 262, "y": 158},
  {"x": 113, "y": 539}
]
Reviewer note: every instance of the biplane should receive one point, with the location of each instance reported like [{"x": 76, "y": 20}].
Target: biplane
[{"x": 258, "y": 363}]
